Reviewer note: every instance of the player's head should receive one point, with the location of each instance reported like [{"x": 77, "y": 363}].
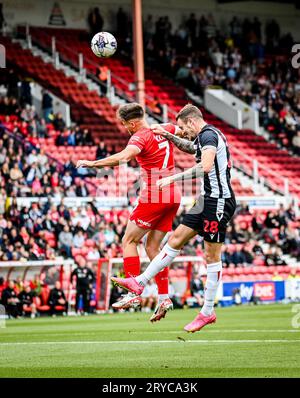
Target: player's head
[
  {"x": 190, "y": 120},
  {"x": 131, "y": 116}
]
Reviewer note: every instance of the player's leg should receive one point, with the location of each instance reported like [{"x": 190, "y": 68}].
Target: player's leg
[
  {"x": 152, "y": 247},
  {"x": 214, "y": 273},
  {"x": 216, "y": 216},
  {"x": 133, "y": 235},
  {"x": 164, "y": 304}
]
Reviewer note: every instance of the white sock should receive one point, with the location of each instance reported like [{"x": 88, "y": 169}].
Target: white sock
[
  {"x": 214, "y": 274},
  {"x": 162, "y": 260},
  {"x": 162, "y": 297}
]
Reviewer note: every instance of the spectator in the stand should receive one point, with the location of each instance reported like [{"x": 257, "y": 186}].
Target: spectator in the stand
[
  {"x": 31, "y": 172},
  {"x": 122, "y": 24},
  {"x": 95, "y": 21},
  {"x": 65, "y": 239},
  {"x": 81, "y": 189},
  {"x": 87, "y": 137},
  {"x": 57, "y": 298},
  {"x": 16, "y": 173},
  {"x": 10, "y": 300},
  {"x": 156, "y": 107},
  {"x": 42, "y": 160},
  {"x": 27, "y": 303},
  {"x": 101, "y": 152},
  {"x": 71, "y": 138},
  {"x": 41, "y": 128},
  {"x": 58, "y": 122},
  {"x": 28, "y": 113},
  {"x": 67, "y": 179},
  {"x": 191, "y": 24},
  {"x": 47, "y": 106},
  {"x": 149, "y": 28},
  {"x": 25, "y": 93},
  {"x": 78, "y": 239}
]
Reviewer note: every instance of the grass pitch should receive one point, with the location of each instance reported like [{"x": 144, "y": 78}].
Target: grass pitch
[{"x": 248, "y": 341}]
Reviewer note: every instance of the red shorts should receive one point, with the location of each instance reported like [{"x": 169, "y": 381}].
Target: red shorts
[{"x": 154, "y": 216}]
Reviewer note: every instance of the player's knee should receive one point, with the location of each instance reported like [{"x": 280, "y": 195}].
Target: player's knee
[
  {"x": 127, "y": 240},
  {"x": 212, "y": 257}
]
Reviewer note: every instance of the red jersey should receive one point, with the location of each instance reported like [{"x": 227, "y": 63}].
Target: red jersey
[{"x": 156, "y": 160}]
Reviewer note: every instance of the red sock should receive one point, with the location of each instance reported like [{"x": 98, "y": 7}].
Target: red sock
[
  {"x": 132, "y": 266},
  {"x": 162, "y": 281}
]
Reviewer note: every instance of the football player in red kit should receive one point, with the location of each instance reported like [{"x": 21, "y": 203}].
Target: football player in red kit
[{"x": 156, "y": 209}]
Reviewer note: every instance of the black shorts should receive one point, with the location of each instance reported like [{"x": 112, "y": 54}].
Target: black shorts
[{"x": 210, "y": 217}]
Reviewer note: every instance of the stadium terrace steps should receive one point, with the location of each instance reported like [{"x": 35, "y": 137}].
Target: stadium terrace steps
[
  {"x": 274, "y": 164},
  {"x": 246, "y": 141},
  {"x": 87, "y": 107}
]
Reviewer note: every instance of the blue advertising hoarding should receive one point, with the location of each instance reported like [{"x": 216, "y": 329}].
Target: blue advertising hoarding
[{"x": 267, "y": 291}]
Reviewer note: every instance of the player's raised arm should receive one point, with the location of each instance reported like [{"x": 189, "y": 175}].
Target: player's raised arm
[
  {"x": 124, "y": 156},
  {"x": 197, "y": 171},
  {"x": 181, "y": 143}
]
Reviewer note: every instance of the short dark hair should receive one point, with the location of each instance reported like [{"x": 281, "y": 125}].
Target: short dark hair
[
  {"x": 189, "y": 111},
  {"x": 130, "y": 111}
]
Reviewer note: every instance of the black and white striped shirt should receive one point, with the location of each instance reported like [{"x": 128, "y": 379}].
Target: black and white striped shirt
[{"x": 217, "y": 181}]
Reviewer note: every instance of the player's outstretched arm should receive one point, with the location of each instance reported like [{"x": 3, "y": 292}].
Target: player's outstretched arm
[
  {"x": 124, "y": 156},
  {"x": 197, "y": 171},
  {"x": 181, "y": 143}
]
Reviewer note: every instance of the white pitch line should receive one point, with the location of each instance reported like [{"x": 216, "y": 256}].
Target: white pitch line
[
  {"x": 149, "y": 342},
  {"x": 177, "y": 332}
]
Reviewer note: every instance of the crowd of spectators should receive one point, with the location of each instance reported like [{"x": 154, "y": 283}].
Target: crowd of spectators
[
  {"x": 16, "y": 99},
  {"x": 252, "y": 66},
  {"x": 21, "y": 298},
  {"x": 44, "y": 230}
]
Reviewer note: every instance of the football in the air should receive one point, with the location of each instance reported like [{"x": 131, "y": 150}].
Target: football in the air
[{"x": 104, "y": 44}]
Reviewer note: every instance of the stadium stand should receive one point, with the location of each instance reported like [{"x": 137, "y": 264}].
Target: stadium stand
[{"x": 244, "y": 142}]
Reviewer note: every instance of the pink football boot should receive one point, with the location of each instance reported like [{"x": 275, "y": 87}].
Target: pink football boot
[
  {"x": 199, "y": 322},
  {"x": 129, "y": 284}
]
